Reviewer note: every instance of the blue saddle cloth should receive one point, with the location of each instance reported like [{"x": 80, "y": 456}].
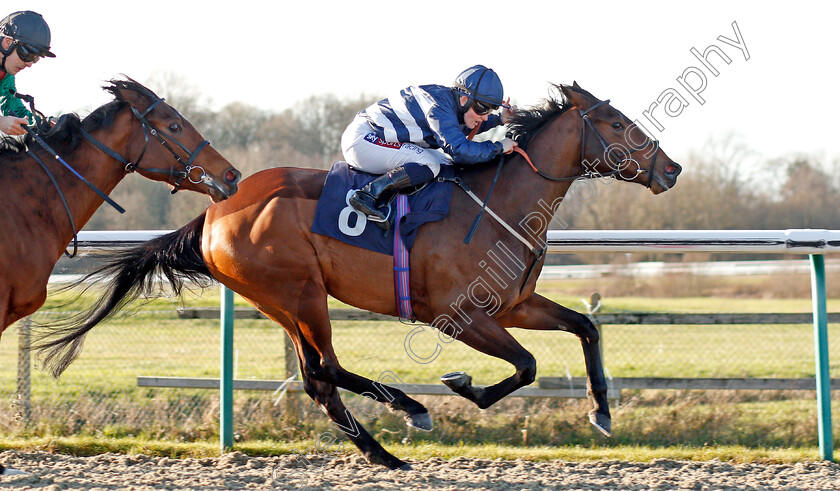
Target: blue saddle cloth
[{"x": 334, "y": 217}]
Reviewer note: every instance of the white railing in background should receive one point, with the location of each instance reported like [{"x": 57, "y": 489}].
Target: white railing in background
[{"x": 815, "y": 243}]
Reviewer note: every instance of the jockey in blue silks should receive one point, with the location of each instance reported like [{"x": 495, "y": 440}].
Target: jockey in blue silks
[{"x": 408, "y": 136}]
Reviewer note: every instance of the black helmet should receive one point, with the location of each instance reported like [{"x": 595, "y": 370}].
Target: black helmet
[{"x": 28, "y": 28}]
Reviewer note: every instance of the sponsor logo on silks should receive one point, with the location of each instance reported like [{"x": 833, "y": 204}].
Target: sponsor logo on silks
[{"x": 371, "y": 137}]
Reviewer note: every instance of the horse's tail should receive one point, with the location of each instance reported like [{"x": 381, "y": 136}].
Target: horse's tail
[{"x": 128, "y": 274}]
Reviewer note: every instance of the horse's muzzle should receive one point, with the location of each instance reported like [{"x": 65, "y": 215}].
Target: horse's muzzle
[
  {"x": 222, "y": 191},
  {"x": 672, "y": 170},
  {"x": 666, "y": 178}
]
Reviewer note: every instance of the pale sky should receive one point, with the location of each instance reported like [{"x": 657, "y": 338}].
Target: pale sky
[{"x": 781, "y": 101}]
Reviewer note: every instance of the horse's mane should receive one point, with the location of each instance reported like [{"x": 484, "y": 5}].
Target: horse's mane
[
  {"x": 527, "y": 122},
  {"x": 66, "y": 135}
]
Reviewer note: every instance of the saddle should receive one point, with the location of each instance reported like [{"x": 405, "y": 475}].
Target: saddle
[{"x": 334, "y": 217}]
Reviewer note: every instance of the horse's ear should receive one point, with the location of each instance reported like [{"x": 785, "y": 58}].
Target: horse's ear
[
  {"x": 131, "y": 92},
  {"x": 566, "y": 90},
  {"x": 576, "y": 96}
]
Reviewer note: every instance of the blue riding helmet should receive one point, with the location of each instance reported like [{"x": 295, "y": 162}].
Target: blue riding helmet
[
  {"x": 29, "y": 29},
  {"x": 481, "y": 83}
]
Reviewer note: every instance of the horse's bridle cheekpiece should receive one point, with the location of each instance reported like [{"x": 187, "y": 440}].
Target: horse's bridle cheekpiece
[
  {"x": 149, "y": 128},
  {"x": 611, "y": 152}
]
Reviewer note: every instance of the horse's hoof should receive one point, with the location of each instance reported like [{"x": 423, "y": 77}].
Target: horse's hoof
[
  {"x": 421, "y": 421},
  {"x": 405, "y": 467},
  {"x": 456, "y": 380},
  {"x": 602, "y": 422}
]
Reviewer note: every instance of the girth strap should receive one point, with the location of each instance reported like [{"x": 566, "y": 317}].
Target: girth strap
[{"x": 402, "y": 283}]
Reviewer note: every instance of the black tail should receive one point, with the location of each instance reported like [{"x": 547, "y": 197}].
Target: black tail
[{"x": 128, "y": 274}]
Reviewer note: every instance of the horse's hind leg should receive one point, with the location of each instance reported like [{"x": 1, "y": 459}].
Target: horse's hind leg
[
  {"x": 326, "y": 396},
  {"x": 312, "y": 334},
  {"x": 317, "y": 361},
  {"x": 539, "y": 313},
  {"x": 416, "y": 415}
]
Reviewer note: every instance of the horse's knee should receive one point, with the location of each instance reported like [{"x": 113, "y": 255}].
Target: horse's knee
[
  {"x": 323, "y": 373},
  {"x": 527, "y": 372},
  {"x": 587, "y": 330}
]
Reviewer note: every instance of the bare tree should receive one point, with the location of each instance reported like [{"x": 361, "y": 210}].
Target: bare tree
[
  {"x": 320, "y": 121},
  {"x": 180, "y": 94}
]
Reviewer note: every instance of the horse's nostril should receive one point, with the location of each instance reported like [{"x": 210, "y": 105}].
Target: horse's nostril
[
  {"x": 232, "y": 176},
  {"x": 672, "y": 169}
]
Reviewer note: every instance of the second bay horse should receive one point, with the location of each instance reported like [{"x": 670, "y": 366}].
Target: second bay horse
[
  {"x": 43, "y": 208},
  {"x": 259, "y": 244}
]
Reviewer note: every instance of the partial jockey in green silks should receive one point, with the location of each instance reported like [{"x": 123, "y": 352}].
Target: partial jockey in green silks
[{"x": 25, "y": 40}]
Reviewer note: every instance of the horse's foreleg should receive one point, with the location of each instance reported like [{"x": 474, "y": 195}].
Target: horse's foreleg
[
  {"x": 486, "y": 335},
  {"x": 326, "y": 396},
  {"x": 539, "y": 313}
]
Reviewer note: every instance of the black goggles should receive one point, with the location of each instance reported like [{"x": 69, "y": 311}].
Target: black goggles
[
  {"x": 481, "y": 108},
  {"x": 28, "y": 54}
]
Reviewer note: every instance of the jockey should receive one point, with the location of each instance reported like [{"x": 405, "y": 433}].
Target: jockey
[
  {"x": 407, "y": 137},
  {"x": 24, "y": 39}
]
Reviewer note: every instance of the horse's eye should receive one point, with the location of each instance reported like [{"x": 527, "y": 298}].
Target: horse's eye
[
  {"x": 175, "y": 127},
  {"x": 617, "y": 125}
]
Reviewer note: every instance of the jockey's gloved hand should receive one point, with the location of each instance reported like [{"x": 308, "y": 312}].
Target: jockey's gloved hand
[{"x": 508, "y": 145}]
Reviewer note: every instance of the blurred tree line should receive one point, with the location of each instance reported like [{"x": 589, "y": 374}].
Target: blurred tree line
[{"x": 724, "y": 185}]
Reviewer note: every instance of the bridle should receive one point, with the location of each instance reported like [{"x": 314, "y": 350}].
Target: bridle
[
  {"x": 609, "y": 153},
  {"x": 151, "y": 129},
  {"x": 148, "y": 128},
  {"x": 589, "y": 173}
]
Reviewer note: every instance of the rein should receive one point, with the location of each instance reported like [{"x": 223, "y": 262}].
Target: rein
[
  {"x": 589, "y": 173},
  {"x": 148, "y": 128},
  {"x": 63, "y": 202}
]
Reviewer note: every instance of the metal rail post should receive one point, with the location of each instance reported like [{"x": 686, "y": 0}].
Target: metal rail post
[
  {"x": 24, "y": 380},
  {"x": 226, "y": 375},
  {"x": 821, "y": 356}
]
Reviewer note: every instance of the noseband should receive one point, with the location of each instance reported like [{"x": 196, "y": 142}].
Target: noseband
[
  {"x": 609, "y": 153},
  {"x": 149, "y": 128}
]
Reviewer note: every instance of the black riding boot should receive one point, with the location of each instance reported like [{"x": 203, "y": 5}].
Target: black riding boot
[{"x": 373, "y": 199}]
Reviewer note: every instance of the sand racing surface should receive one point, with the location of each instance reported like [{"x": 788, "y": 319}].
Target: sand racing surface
[{"x": 239, "y": 471}]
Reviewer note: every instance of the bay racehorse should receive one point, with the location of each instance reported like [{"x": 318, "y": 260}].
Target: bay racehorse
[
  {"x": 44, "y": 207},
  {"x": 259, "y": 244}
]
